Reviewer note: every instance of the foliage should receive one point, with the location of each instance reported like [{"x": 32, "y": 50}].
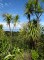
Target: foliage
[
  {"x": 1, "y": 26},
  {"x": 28, "y": 42},
  {"x": 33, "y": 8},
  {"x": 35, "y": 54}
]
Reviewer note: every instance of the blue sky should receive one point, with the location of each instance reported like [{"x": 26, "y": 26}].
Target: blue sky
[{"x": 15, "y": 7}]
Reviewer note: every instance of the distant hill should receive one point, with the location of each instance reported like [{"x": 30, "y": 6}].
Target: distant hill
[{"x": 13, "y": 33}]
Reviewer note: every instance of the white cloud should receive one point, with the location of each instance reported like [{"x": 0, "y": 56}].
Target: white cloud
[
  {"x": 42, "y": 23},
  {"x": 1, "y": 0},
  {"x": 7, "y": 4},
  {"x": 1, "y": 5},
  {"x": 18, "y": 26},
  {"x": 6, "y": 27},
  {"x": 4, "y": 24},
  {"x": 4, "y": 4}
]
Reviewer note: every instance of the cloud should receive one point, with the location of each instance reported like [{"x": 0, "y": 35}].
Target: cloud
[
  {"x": 18, "y": 26},
  {"x": 4, "y": 24},
  {"x": 7, "y": 4},
  {"x": 42, "y": 23},
  {"x": 4, "y": 4},
  {"x": 0, "y": 0},
  {"x": 6, "y": 27},
  {"x": 1, "y": 5}
]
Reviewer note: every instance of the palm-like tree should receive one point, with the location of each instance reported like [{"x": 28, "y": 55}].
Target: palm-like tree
[
  {"x": 38, "y": 9},
  {"x": 34, "y": 32},
  {"x": 28, "y": 10},
  {"x": 15, "y": 20},
  {"x": 33, "y": 7},
  {"x": 8, "y": 18}
]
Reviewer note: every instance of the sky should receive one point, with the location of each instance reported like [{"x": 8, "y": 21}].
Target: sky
[{"x": 15, "y": 7}]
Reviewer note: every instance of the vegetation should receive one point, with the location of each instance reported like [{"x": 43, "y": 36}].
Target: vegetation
[{"x": 28, "y": 42}]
